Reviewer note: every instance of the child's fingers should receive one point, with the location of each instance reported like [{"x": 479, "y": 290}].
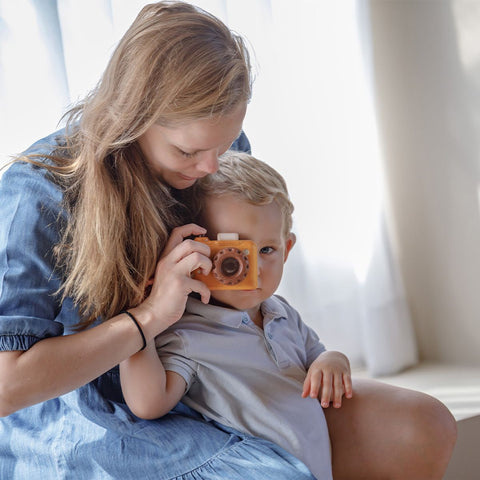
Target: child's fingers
[
  {"x": 337, "y": 390},
  {"x": 326, "y": 390},
  {"x": 306, "y": 387},
  {"x": 347, "y": 384},
  {"x": 315, "y": 384}
]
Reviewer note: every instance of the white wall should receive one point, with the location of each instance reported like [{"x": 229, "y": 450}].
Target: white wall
[{"x": 426, "y": 57}]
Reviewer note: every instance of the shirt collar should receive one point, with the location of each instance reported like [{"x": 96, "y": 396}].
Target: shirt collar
[
  {"x": 215, "y": 314},
  {"x": 272, "y": 309}
]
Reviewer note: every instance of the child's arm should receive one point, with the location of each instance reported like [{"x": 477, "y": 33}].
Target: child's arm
[
  {"x": 328, "y": 378},
  {"x": 149, "y": 390}
]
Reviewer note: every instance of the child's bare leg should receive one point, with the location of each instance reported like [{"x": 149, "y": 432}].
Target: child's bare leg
[{"x": 390, "y": 433}]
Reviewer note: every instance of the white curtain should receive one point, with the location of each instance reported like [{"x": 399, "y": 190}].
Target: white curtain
[{"x": 311, "y": 116}]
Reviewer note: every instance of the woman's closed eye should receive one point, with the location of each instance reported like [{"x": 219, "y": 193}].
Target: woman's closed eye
[
  {"x": 187, "y": 154},
  {"x": 183, "y": 153}
]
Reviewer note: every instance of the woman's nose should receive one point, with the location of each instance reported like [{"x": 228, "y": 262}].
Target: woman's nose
[{"x": 208, "y": 163}]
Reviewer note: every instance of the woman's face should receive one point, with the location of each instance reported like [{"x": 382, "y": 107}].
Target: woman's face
[{"x": 184, "y": 153}]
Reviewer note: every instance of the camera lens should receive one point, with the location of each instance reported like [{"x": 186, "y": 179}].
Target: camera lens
[{"x": 230, "y": 266}]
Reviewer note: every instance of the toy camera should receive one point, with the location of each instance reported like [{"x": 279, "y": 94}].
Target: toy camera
[{"x": 234, "y": 263}]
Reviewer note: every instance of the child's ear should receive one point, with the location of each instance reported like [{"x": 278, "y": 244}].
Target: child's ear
[{"x": 289, "y": 243}]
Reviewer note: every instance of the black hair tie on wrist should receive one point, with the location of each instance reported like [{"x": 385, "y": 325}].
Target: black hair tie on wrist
[{"x": 126, "y": 312}]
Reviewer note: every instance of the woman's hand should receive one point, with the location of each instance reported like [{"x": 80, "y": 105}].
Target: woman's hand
[
  {"x": 172, "y": 283},
  {"x": 328, "y": 378}
]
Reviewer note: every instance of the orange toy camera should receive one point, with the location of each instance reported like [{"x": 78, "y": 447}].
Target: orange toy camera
[{"x": 234, "y": 263}]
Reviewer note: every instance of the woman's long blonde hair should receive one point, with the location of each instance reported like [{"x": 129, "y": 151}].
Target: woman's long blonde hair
[{"x": 176, "y": 63}]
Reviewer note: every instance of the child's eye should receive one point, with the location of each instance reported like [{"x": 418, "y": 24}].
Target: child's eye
[{"x": 267, "y": 250}]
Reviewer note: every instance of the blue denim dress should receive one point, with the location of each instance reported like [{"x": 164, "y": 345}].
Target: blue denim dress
[{"x": 89, "y": 433}]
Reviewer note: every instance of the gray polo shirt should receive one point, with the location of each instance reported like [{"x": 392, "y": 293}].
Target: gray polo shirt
[{"x": 251, "y": 379}]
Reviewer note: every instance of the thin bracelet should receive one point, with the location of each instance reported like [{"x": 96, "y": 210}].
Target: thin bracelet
[{"x": 138, "y": 326}]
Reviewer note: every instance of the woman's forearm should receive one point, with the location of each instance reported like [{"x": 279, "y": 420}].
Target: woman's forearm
[{"x": 57, "y": 365}]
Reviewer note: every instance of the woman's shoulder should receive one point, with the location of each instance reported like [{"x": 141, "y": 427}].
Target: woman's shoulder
[
  {"x": 24, "y": 179},
  {"x": 30, "y": 188},
  {"x": 29, "y": 194}
]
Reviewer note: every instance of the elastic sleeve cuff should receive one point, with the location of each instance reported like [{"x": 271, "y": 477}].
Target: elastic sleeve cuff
[
  {"x": 16, "y": 342},
  {"x": 21, "y": 333}
]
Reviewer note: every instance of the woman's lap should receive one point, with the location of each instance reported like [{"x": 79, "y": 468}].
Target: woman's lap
[
  {"x": 180, "y": 447},
  {"x": 113, "y": 444}
]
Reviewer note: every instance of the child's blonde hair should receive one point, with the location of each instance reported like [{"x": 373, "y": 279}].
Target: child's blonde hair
[{"x": 251, "y": 179}]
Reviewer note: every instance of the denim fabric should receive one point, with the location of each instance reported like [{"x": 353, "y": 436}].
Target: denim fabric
[{"x": 89, "y": 433}]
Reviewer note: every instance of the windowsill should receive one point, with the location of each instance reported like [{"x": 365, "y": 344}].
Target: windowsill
[{"x": 457, "y": 386}]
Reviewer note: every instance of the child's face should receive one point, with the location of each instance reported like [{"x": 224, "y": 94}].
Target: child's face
[
  {"x": 182, "y": 154},
  {"x": 261, "y": 224}
]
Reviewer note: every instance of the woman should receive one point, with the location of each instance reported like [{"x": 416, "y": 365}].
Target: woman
[{"x": 84, "y": 218}]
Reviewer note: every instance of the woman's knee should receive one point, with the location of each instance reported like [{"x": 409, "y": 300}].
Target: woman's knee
[
  {"x": 423, "y": 437},
  {"x": 395, "y": 433},
  {"x": 431, "y": 431}
]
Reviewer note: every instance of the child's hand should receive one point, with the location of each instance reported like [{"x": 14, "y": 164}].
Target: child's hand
[{"x": 328, "y": 378}]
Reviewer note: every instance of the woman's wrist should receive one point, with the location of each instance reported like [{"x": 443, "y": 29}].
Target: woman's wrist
[
  {"x": 139, "y": 328},
  {"x": 145, "y": 321}
]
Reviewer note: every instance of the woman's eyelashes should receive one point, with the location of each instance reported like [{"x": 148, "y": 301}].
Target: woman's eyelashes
[{"x": 186, "y": 154}]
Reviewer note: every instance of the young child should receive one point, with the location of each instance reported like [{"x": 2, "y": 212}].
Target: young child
[{"x": 246, "y": 360}]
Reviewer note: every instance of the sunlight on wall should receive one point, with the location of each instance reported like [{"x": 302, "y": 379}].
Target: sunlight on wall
[
  {"x": 467, "y": 19},
  {"x": 464, "y": 401},
  {"x": 466, "y": 16}
]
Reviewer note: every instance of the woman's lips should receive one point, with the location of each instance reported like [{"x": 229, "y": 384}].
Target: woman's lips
[{"x": 189, "y": 179}]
